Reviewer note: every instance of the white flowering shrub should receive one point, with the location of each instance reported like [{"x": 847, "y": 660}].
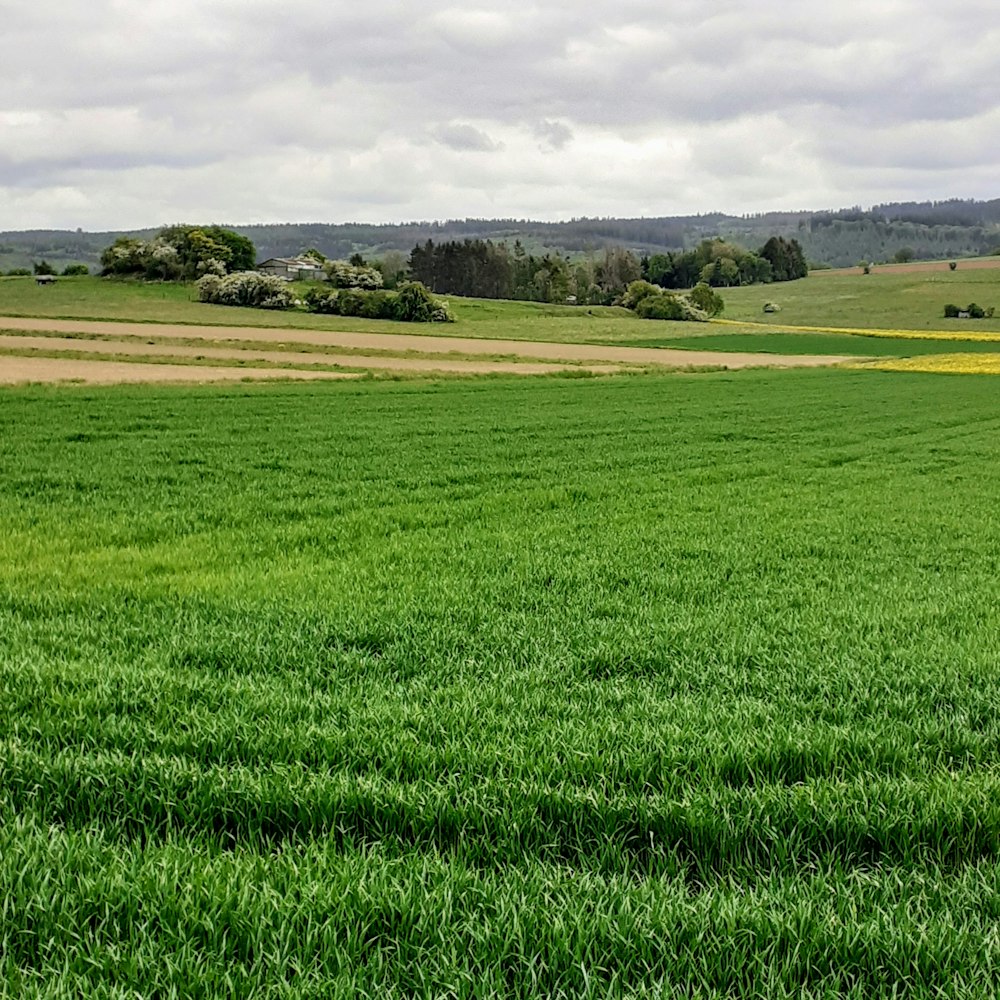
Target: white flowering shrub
[
  {"x": 246, "y": 288},
  {"x": 212, "y": 266},
  {"x": 162, "y": 252},
  {"x": 344, "y": 275},
  {"x": 411, "y": 304}
]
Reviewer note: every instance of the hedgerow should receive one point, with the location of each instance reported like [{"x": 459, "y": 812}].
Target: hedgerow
[
  {"x": 412, "y": 303},
  {"x": 246, "y": 288},
  {"x": 649, "y": 301}
]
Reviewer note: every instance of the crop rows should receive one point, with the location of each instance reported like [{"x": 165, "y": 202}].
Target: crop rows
[{"x": 671, "y": 686}]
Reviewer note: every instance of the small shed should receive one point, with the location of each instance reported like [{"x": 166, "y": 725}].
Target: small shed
[
  {"x": 45, "y": 279},
  {"x": 293, "y": 268}
]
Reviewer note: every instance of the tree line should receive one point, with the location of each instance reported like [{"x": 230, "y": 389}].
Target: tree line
[
  {"x": 935, "y": 230},
  {"x": 484, "y": 269}
]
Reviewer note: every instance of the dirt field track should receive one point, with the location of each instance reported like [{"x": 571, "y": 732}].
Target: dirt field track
[
  {"x": 278, "y": 347},
  {"x": 16, "y": 370},
  {"x": 288, "y": 359}
]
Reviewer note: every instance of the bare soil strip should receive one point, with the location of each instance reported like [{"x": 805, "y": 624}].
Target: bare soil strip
[
  {"x": 430, "y": 344},
  {"x": 979, "y": 264},
  {"x": 18, "y": 370},
  {"x": 291, "y": 358}
]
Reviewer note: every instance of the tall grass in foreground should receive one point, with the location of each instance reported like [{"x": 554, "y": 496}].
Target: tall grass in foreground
[{"x": 676, "y": 686}]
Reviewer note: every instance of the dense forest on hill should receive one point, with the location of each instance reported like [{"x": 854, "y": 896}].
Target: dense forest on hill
[{"x": 932, "y": 230}]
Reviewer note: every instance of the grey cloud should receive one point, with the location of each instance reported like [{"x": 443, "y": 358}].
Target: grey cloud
[
  {"x": 553, "y": 135},
  {"x": 960, "y": 144},
  {"x": 465, "y": 138},
  {"x": 595, "y": 105},
  {"x": 42, "y": 173}
]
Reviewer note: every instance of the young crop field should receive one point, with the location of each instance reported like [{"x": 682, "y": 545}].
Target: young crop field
[
  {"x": 679, "y": 686},
  {"x": 724, "y": 338}
]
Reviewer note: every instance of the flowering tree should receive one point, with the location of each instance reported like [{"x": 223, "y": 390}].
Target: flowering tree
[
  {"x": 345, "y": 275},
  {"x": 179, "y": 253}
]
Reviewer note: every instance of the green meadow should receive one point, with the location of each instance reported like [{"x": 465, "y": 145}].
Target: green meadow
[
  {"x": 667, "y": 686},
  {"x": 94, "y": 298},
  {"x": 879, "y": 301},
  {"x": 723, "y": 338}
]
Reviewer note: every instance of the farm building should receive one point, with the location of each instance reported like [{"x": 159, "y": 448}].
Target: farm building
[{"x": 293, "y": 268}]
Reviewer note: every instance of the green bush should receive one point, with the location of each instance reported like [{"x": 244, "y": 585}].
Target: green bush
[
  {"x": 707, "y": 300},
  {"x": 75, "y": 270},
  {"x": 973, "y": 309},
  {"x": 414, "y": 304},
  {"x": 379, "y": 305},
  {"x": 668, "y": 306},
  {"x": 318, "y": 300},
  {"x": 661, "y": 306},
  {"x": 18, "y": 272},
  {"x": 637, "y": 291},
  {"x": 350, "y": 302}
]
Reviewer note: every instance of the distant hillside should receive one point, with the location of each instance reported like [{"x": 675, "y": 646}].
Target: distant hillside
[{"x": 932, "y": 230}]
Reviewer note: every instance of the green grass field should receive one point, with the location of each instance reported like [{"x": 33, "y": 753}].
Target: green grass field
[
  {"x": 722, "y": 338},
  {"x": 911, "y": 301},
  {"x": 95, "y": 298},
  {"x": 663, "y": 686},
  {"x": 877, "y": 301}
]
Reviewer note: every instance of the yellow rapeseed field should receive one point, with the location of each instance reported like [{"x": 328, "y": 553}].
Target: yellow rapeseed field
[
  {"x": 948, "y": 364},
  {"x": 869, "y": 331}
]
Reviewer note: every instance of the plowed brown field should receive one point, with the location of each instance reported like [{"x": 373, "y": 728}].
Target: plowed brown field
[{"x": 978, "y": 264}]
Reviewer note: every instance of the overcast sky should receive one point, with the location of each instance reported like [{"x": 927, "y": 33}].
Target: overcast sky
[{"x": 134, "y": 113}]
